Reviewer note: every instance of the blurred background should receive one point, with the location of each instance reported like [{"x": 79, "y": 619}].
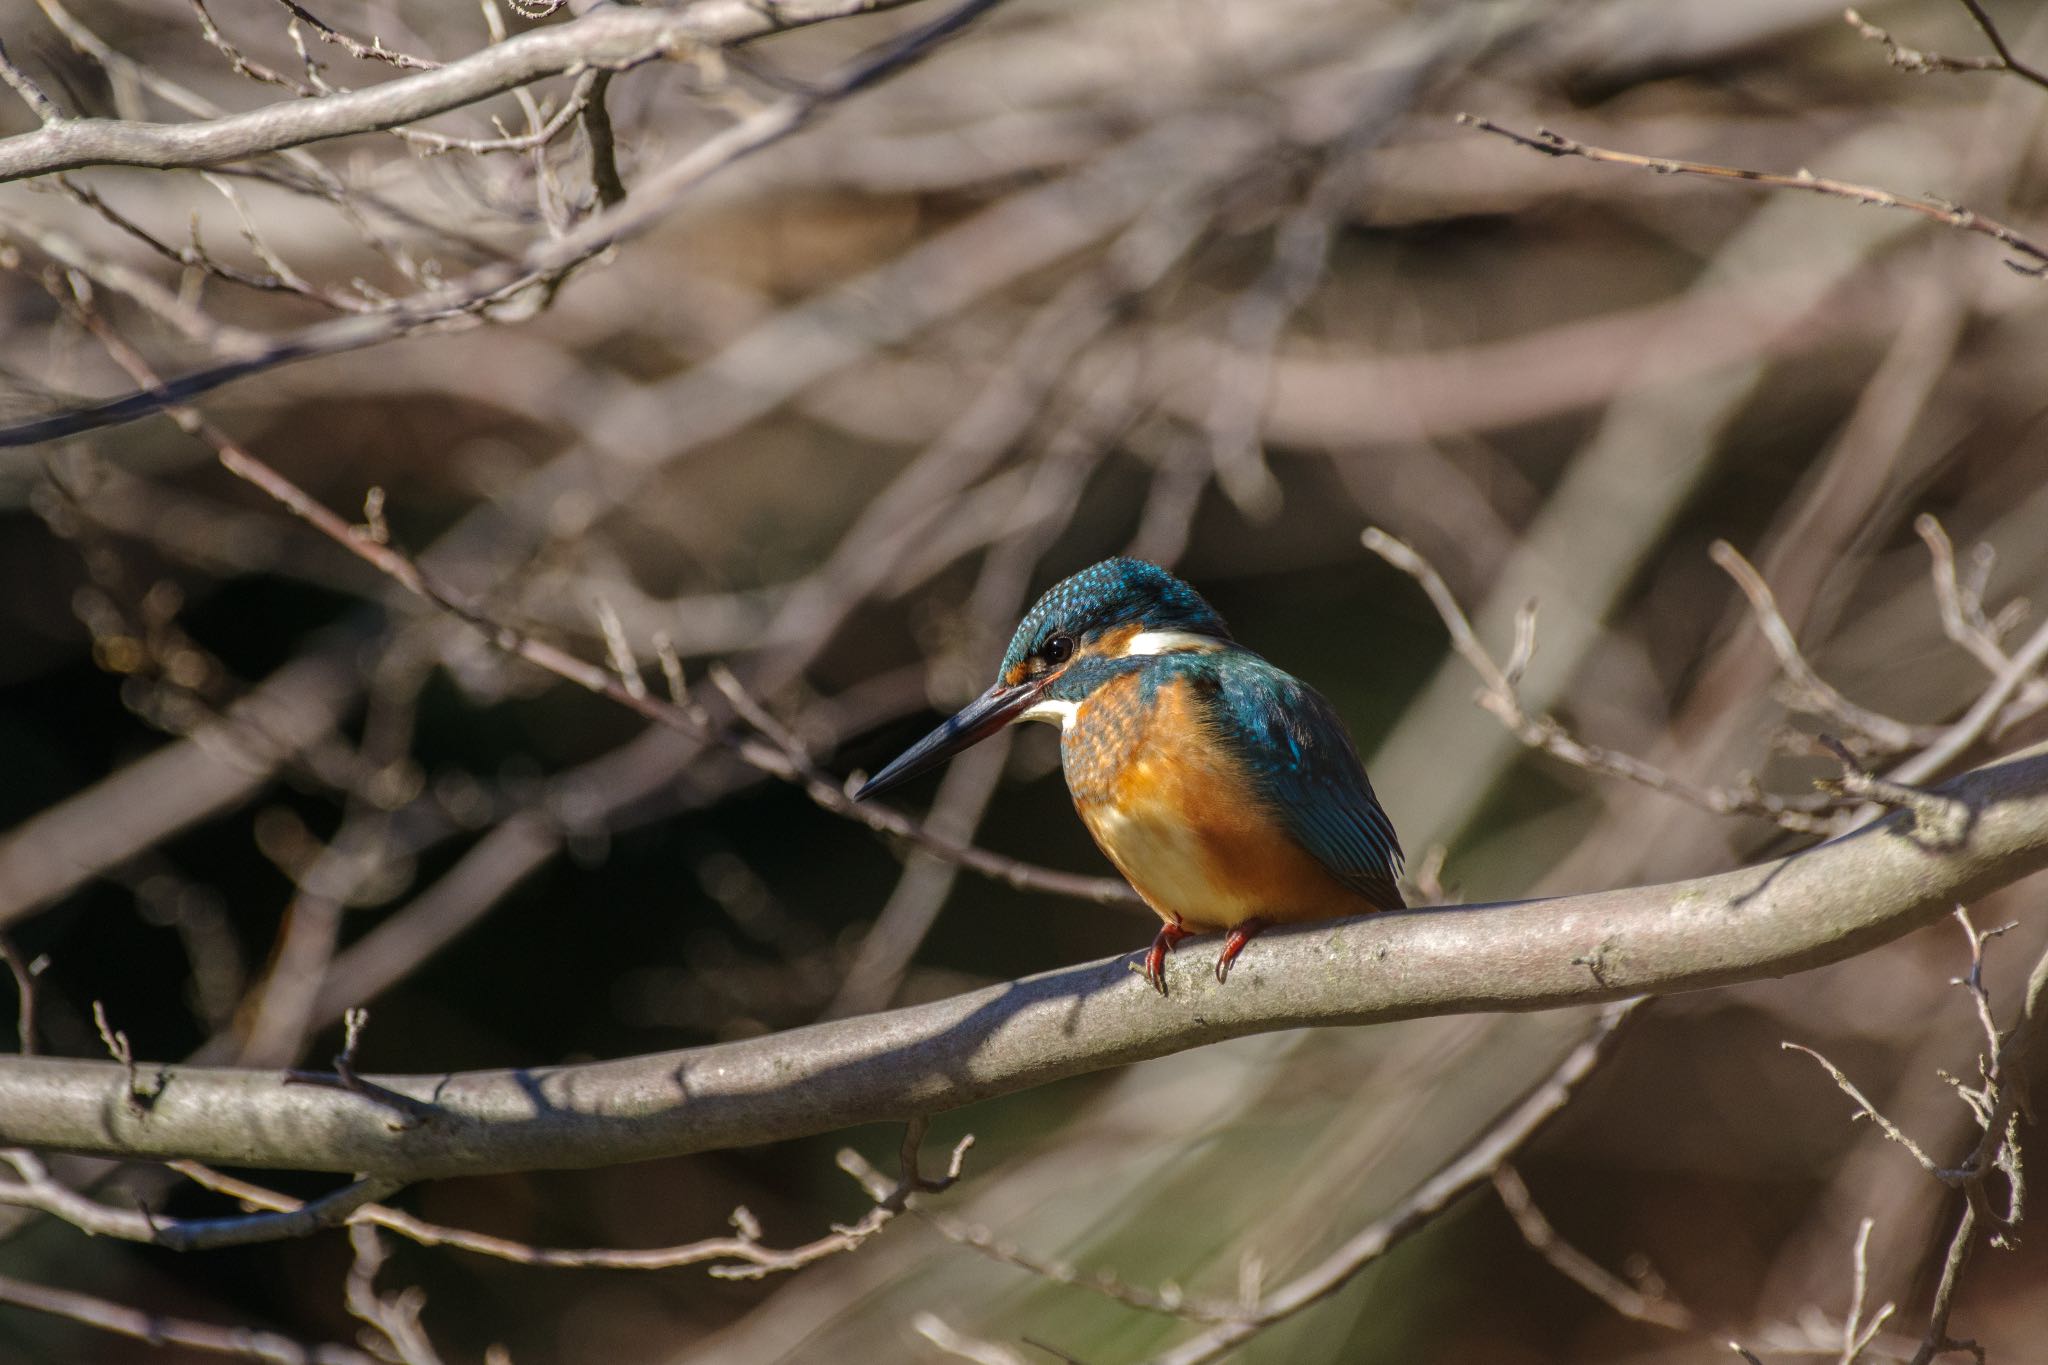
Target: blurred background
[{"x": 1216, "y": 284}]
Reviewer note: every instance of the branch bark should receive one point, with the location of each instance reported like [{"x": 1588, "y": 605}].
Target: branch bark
[
  {"x": 1817, "y": 906},
  {"x": 608, "y": 38}
]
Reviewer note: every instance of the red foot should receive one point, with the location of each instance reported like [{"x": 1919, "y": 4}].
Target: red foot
[
  {"x": 1169, "y": 934},
  {"x": 1233, "y": 944}
]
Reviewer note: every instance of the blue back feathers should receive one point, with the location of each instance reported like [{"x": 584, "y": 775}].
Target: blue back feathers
[{"x": 1300, "y": 758}]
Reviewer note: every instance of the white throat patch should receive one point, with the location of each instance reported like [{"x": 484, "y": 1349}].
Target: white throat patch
[
  {"x": 1171, "y": 642},
  {"x": 1052, "y": 711}
]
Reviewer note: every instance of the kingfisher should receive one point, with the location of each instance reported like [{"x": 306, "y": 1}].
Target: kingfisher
[{"x": 1226, "y": 791}]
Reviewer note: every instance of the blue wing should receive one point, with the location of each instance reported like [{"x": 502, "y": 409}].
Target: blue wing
[{"x": 1302, "y": 761}]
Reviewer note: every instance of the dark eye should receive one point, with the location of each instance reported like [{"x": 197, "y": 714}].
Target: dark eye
[{"x": 1058, "y": 649}]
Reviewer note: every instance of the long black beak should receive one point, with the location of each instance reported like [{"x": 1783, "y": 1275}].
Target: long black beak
[{"x": 979, "y": 719}]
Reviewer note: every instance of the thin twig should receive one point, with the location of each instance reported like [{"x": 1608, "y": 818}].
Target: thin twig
[
  {"x": 1962, "y": 605},
  {"x": 34, "y": 1187},
  {"x": 2013, "y": 64},
  {"x": 1868, "y": 1110},
  {"x": 1498, "y": 695},
  {"x": 741, "y": 1256},
  {"x": 1995, "y": 1104},
  {"x": 1475, "y": 1165},
  {"x": 548, "y": 263},
  {"x": 394, "y": 1317},
  {"x": 1937, "y": 1341},
  {"x": 372, "y": 51},
  {"x": 24, "y": 973},
  {"x": 1984, "y": 712},
  {"x": 1935, "y": 210},
  {"x": 1938, "y": 821},
  {"x": 1914, "y": 59},
  {"x": 17, "y": 80},
  {"x": 1856, "y": 1334},
  {"x": 1812, "y": 693},
  {"x": 776, "y": 758},
  {"x": 1581, "y": 1269},
  {"x": 160, "y": 1329}
]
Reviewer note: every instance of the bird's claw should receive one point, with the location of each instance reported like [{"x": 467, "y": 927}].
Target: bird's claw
[
  {"x": 1233, "y": 944},
  {"x": 1170, "y": 934}
]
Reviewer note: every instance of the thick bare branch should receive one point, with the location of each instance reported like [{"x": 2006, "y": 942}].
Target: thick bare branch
[{"x": 1814, "y": 907}]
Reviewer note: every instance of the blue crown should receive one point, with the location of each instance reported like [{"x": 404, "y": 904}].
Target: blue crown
[{"x": 1114, "y": 593}]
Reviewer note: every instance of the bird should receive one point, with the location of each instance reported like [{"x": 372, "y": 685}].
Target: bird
[{"x": 1225, "y": 790}]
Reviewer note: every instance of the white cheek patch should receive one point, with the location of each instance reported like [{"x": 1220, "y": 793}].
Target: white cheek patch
[
  {"x": 1170, "y": 642},
  {"x": 1052, "y": 711}
]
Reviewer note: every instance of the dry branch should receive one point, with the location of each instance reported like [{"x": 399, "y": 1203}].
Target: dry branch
[
  {"x": 160, "y": 1329},
  {"x": 543, "y": 266},
  {"x": 1936, "y": 210},
  {"x": 608, "y": 38},
  {"x": 1814, "y": 907}
]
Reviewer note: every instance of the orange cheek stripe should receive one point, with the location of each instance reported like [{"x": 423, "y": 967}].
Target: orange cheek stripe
[{"x": 1112, "y": 644}]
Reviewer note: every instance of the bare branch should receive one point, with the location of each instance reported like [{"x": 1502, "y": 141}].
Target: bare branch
[
  {"x": 776, "y": 754},
  {"x": 2031, "y": 74},
  {"x": 1866, "y": 1109},
  {"x": 1481, "y": 1158},
  {"x": 39, "y": 104},
  {"x": 549, "y": 261},
  {"x": 393, "y": 1317},
  {"x": 1995, "y": 1104},
  {"x": 1912, "y": 58},
  {"x": 24, "y": 973},
  {"x": 1937, "y": 1341},
  {"x": 742, "y": 1256},
  {"x": 372, "y": 51},
  {"x": 1935, "y": 210},
  {"x": 1935, "y": 818},
  {"x": 1498, "y": 695},
  {"x": 1817, "y": 906},
  {"x": 35, "y": 1188},
  {"x": 1581, "y": 1269},
  {"x": 1962, "y": 607},
  {"x": 1856, "y": 1334},
  {"x": 158, "y": 1329},
  {"x": 1982, "y": 715},
  {"x": 609, "y": 38},
  {"x": 1812, "y": 693},
  {"x": 1924, "y": 63}
]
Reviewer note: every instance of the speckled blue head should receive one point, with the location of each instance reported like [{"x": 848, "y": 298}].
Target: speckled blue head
[
  {"x": 1080, "y": 632},
  {"x": 1103, "y": 599}
]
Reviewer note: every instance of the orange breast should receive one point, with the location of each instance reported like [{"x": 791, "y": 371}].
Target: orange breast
[{"x": 1179, "y": 817}]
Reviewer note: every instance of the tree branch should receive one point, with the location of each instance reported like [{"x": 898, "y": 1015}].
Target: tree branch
[
  {"x": 160, "y": 1330},
  {"x": 1814, "y": 907},
  {"x": 608, "y": 38},
  {"x": 544, "y": 265},
  {"x": 1940, "y": 211}
]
